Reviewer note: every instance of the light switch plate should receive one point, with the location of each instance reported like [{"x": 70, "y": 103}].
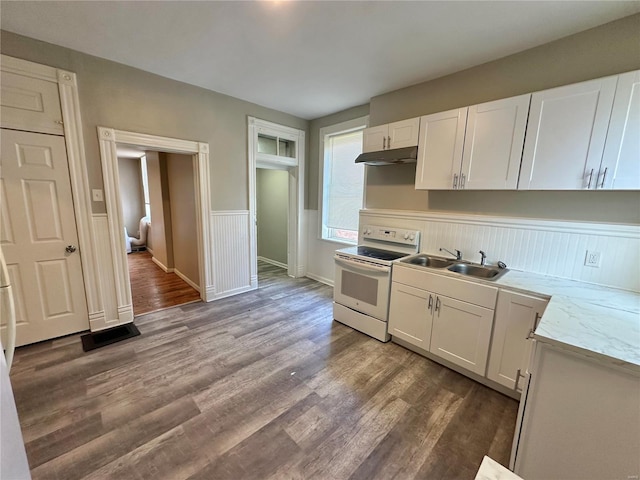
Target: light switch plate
[{"x": 97, "y": 195}]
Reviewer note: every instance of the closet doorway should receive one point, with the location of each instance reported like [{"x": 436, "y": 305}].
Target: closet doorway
[
  {"x": 158, "y": 211},
  {"x": 276, "y": 157}
]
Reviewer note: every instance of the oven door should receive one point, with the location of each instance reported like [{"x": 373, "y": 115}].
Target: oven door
[{"x": 363, "y": 287}]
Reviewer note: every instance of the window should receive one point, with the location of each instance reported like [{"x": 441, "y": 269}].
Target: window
[
  {"x": 342, "y": 188},
  {"x": 145, "y": 187}
]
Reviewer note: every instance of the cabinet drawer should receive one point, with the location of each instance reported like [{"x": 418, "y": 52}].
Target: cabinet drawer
[{"x": 471, "y": 292}]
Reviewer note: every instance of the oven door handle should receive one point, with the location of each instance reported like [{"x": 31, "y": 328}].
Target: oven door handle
[{"x": 362, "y": 266}]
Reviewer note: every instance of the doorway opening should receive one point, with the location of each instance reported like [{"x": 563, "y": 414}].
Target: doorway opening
[
  {"x": 276, "y": 181},
  {"x": 157, "y": 192},
  {"x": 191, "y": 155}
]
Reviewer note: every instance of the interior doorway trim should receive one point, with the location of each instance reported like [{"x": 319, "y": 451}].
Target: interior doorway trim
[
  {"x": 109, "y": 137},
  {"x": 295, "y": 249}
]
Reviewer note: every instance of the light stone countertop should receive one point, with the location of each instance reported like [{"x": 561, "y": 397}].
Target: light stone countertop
[
  {"x": 492, "y": 470},
  {"x": 597, "y": 321}
]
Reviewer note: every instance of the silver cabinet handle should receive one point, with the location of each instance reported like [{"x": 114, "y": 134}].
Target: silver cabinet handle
[
  {"x": 462, "y": 180},
  {"x": 70, "y": 249},
  {"x": 604, "y": 176},
  {"x": 388, "y": 142},
  {"x": 537, "y": 320},
  {"x": 430, "y": 306},
  {"x": 530, "y": 334},
  {"x": 590, "y": 177},
  {"x": 518, "y": 375},
  {"x": 437, "y": 304},
  {"x": 384, "y": 143},
  {"x": 455, "y": 180}
]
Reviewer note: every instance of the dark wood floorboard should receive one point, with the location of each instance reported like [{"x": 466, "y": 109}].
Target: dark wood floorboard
[
  {"x": 154, "y": 289},
  {"x": 263, "y": 385}
]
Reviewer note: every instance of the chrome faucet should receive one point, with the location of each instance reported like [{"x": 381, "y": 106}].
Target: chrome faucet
[
  {"x": 458, "y": 253},
  {"x": 483, "y": 258}
]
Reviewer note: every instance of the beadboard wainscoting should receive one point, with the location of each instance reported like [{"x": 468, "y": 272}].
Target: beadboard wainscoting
[
  {"x": 230, "y": 253},
  {"x": 112, "y": 313},
  {"x": 555, "y": 248}
]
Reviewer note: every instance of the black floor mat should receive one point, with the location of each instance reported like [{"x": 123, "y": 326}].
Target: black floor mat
[{"x": 91, "y": 341}]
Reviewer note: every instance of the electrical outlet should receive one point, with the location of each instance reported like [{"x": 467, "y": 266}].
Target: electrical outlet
[
  {"x": 592, "y": 259},
  {"x": 97, "y": 195}
]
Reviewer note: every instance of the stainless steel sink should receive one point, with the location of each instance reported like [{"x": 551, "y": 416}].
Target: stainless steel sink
[
  {"x": 424, "y": 260},
  {"x": 488, "y": 273}
]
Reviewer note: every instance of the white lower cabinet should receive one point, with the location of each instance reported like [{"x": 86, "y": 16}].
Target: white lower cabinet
[
  {"x": 455, "y": 329},
  {"x": 461, "y": 333},
  {"x": 517, "y": 316}
]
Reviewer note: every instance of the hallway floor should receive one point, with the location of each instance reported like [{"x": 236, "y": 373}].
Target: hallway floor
[{"x": 153, "y": 289}]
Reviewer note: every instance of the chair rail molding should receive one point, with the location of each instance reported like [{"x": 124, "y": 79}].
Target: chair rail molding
[{"x": 108, "y": 138}]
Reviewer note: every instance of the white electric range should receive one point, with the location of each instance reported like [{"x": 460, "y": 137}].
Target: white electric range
[{"x": 363, "y": 278}]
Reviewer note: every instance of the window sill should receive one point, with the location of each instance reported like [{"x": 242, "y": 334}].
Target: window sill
[{"x": 338, "y": 242}]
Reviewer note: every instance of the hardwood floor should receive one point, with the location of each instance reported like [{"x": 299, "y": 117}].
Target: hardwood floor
[
  {"x": 153, "y": 289},
  {"x": 262, "y": 385}
]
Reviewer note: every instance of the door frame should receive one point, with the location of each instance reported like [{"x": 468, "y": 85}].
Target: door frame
[
  {"x": 296, "y": 266},
  {"x": 108, "y": 138},
  {"x": 78, "y": 176}
]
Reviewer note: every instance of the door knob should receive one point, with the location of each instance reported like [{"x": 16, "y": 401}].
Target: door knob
[{"x": 70, "y": 248}]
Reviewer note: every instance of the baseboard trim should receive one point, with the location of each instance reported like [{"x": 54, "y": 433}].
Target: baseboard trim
[
  {"x": 273, "y": 262},
  {"x": 161, "y": 265},
  {"x": 187, "y": 280},
  {"x": 320, "y": 279},
  {"x": 235, "y": 291}
]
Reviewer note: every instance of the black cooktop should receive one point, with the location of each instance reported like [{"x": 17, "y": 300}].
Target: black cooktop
[{"x": 379, "y": 253}]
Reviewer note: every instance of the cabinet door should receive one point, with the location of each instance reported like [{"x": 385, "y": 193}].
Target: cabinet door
[
  {"x": 404, "y": 133},
  {"x": 440, "y": 150},
  {"x": 516, "y": 316},
  {"x": 410, "y": 314},
  {"x": 493, "y": 144},
  {"x": 620, "y": 167},
  {"x": 30, "y": 104},
  {"x": 374, "y": 139},
  {"x": 461, "y": 333},
  {"x": 565, "y": 136}
]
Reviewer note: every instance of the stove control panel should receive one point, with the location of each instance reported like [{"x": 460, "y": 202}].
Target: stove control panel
[{"x": 395, "y": 235}]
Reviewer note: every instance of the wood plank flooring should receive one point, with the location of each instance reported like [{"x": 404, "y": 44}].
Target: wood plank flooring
[
  {"x": 154, "y": 289},
  {"x": 262, "y": 385}
]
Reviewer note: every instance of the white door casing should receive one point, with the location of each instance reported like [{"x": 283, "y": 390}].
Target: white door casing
[
  {"x": 108, "y": 138},
  {"x": 71, "y": 126},
  {"x": 295, "y": 166},
  {"x": 37, "y": 225}
]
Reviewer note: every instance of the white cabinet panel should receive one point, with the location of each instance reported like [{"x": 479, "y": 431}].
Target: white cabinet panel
[
  {"x": 403, "y": 133},
  {"x": 30, "y": 104},
  {"x": 620, "y": 167},
  {"x": 461, "y": 333},
  {"x": 493, "y": 144},
  {"x": 391, "y": 135},
  {"x": 566, "y": 135},
  {"x": 410, "y": 314},
  {"x": 516, "y": 316},
  {"x": 374, "y": 139},
  {"x": 440, "y": 149}
]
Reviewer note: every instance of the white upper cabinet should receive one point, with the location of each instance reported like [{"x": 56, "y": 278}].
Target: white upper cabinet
[
  {"x": 392, "y": 135},
  {"x": 440, "y": 149},
  {"x": 620, "y": 167},
  {"x": 493, "y": 144},
  {"x": 566, "y": 136}
]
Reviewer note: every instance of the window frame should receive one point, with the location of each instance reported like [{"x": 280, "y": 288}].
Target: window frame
[{"x": 356, "y": 124}]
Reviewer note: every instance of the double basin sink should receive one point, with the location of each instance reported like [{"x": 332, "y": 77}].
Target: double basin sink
[{"x": 458, "y": 266}]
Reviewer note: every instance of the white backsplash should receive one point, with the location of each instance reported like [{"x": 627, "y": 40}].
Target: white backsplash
[{"x": 553, "y": 248}]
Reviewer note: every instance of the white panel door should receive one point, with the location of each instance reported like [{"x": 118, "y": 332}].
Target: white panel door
[
  {"x": 38, "y": 224},
  {"x": 516, "y": 316},
  {"x": 410, "y": 312},
  {"x": 30, "y": 104},
  {"x": 440, "y": 149},
  {"x": 461, "y": 333},
  {"x": 493, "y": 144},
  {"x": 565, "y": 136},
  {"x": 620, "y": 167},
  {"x": 403, "y": 133},
  {"x": 374, "y": 139}
]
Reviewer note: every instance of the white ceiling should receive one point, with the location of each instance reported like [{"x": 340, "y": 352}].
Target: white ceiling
[{"x": 307, "y": 58}]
